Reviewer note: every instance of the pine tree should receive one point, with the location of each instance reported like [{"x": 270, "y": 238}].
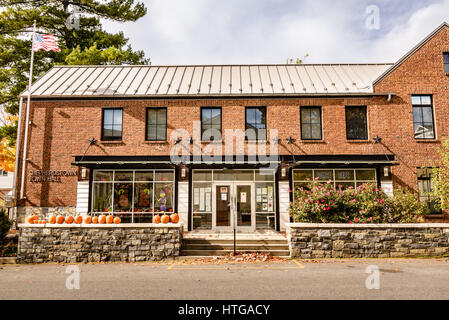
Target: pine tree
[{"x": 87, "y": 43}]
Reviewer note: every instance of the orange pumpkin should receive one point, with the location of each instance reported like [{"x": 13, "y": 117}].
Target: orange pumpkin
[
  {"x": 35, "y": 218},
  {"x": 44, "y": 221},
  {"x": 88, "y": 220},
  {"x": 95, "y": 220},
  {"x": 157, "y": 219},
  {"x": 165, "y": 219},
  {"x": 79, "y": 220},
  {"x": 110, "y": 219},
  {"x": 117, "y": 220},
  {"x": 102, "y": 219},
  {"x": 52, "y": 220},
  {"x": 60, "y": 219},
  {"x": 174, "y": 218},
  {"x": 69, "y": 220},
  {"x": 29, "y": 220}
]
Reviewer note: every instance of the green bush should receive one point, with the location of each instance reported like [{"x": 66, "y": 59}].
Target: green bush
[
  {"x": 404, "y": 207},
  {"x": 322, "y": 203},
  {"x": 5, "y": 225}
]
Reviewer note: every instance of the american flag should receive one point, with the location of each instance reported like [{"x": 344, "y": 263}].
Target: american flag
[{"x": 45, "y": 42}]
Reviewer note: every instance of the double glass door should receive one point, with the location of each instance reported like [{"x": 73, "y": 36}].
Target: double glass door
[{"x": 233, "y": 205}]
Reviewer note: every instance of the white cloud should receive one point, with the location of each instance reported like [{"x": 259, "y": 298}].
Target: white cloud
[{"x": 268, "y": 31}]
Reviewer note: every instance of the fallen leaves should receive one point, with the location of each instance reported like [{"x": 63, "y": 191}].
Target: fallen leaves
[{"x": 255, "y": 257}]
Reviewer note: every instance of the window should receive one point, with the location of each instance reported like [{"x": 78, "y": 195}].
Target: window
[
  {"x": 133, "y": 195},
  {"x": 356, "y": 124},
  {"x": 211, "y": 124},
  {"x": 3, "y": 173},
  {"x": 423, "y": 117},
  {"x": 256, "y": 123},
  {"x": 425, "y": 189},
  {"x": 339, "y": 178},
  {"x": 311, "y": 123},
  {"x": 112, "y": 124},
  {"x": 156, "y": 124},
  {"x": 446, "y": 62}
]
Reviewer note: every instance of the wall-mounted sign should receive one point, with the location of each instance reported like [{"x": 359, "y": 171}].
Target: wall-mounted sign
[{"x": 51, "y": 175}]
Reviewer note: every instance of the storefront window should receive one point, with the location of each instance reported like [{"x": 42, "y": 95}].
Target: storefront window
[
  {"x": 135, "y": 196},
  {"x": 341, "y": 178}
]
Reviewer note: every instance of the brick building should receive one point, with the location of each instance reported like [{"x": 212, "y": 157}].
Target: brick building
[{"x": 226, "y": 144}]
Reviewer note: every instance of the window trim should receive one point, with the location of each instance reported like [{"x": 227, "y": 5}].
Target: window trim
[
  {"x": 366, "y": 123},
  {"x": 266, "y": 124},
  {"x": 321, "y": 122},
  {"x": 147, "y": 124},
  {"x": 221, "y": 123},
  {"x": 431, "y": 106},
  {"x": 444, "y": 63},
  {"x": 103, "y": 138}
]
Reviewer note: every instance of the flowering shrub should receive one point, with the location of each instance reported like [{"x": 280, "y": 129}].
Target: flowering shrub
[{"x": 323, "y": 203}]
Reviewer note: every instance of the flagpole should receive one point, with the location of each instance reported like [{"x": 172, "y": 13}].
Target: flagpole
[{"x": 30, "y": 82}]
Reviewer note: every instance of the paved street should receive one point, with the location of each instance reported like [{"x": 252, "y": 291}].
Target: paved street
[{"x": 326, "y": 279}]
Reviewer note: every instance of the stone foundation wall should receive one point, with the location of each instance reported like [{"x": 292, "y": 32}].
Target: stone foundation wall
[
  {"x": 367, "y": 241},
  {"x": 96, "y": 243}
]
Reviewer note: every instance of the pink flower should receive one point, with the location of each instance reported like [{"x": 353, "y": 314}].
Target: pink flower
[
  {"x": 317, "y": 178},
  {"x": 356, "y": 220},
  {"x": 364, "y": 222},
  {"x": 382, "y": 201},
  {"x": 371, "y": 218},
  {"x": 353, "y": 200},
  {"x": 350, "y": 222},
  {"x": 328, "y": 194}
]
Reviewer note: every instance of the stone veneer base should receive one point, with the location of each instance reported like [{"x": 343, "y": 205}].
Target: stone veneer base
[
  {"x": 310, "y": 241},
  {"x": 98, "y": 243}
]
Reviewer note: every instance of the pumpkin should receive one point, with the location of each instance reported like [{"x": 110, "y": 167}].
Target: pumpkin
[
  {"x": 102, "y": 219},
  {"x": 95, "y": 220},
  {"x": 157, "y": 219},
  {"x": 60, "y": 219},
  {"x": 69, "y": 220},
  {"x": 117, "y": 220},
  {"x": 29, "y": 220},
  {"x": 44, "y": 221},
  {"x": 35, "y": 218},
  {"x": 52, "y": 220},
  {"x": 109, "y": 219},
  {"x": 88, "y": 220},
  {"x": 174, "y": 218},
  {"x": 165, "y": 219},
  {"x": 79, "y": 220}
]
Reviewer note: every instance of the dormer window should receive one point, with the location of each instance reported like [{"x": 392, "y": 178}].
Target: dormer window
[{"x": 446, "y": 62}]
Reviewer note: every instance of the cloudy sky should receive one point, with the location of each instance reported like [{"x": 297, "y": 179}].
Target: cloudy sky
[{"x": 270, "y": 31}]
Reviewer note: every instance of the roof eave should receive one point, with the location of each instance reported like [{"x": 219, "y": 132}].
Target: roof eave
[{"x": 410, "y": 53}]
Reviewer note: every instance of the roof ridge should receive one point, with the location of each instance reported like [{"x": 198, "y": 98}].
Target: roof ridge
[{"x": 224, "y": 65}]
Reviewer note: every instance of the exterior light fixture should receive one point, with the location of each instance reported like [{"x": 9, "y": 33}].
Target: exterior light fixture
[
  {"x": 83, "y": 173},
  {"x": 386, "y": 171},
  {"x": 283, "y": 172},
  {"x": 183, "y": 172}
]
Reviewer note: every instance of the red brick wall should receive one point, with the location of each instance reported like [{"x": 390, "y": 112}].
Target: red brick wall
[
  {"x": 60, "y": 130},
  {"x": 422, "y": 73}
]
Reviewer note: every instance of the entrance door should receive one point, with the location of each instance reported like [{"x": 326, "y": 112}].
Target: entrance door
[
  {"x": 234, "y": 205},
  {"x": 223, "y": 205}
]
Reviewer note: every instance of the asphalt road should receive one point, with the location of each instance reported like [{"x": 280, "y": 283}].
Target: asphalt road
[{"x": 326, "y": 279}]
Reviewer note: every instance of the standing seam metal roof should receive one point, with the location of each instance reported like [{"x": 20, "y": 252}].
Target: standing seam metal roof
[{"x": 203, "y": 80}]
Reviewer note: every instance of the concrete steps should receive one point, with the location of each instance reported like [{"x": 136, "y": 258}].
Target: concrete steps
[{"x": 222, "y": 247}]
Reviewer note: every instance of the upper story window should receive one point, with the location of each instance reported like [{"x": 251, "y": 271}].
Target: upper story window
[
  {"x": 112, "y": 124},
  {"x": 423, "y": 121},
  {"x": 256, "y": 123},
  {"x": 211, "y": 124},
  {"x": 356, "y": 123},
  {"x": 3, "y": 173},
  {"x": 446, "y": 62},
  {"x": 156, "y": 124},
  {"x": 311, "y": 123}
]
